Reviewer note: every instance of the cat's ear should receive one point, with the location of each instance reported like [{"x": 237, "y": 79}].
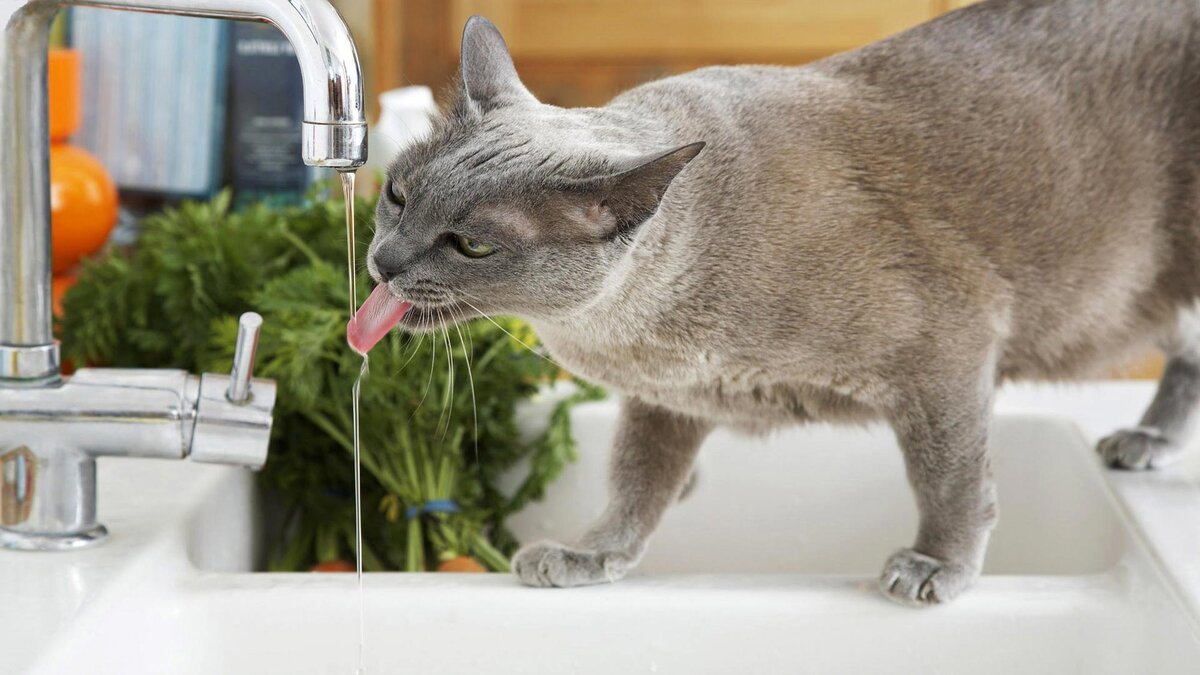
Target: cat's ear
[
  {"x": 626, "y": 199},
  {"x": 489, "y": 78}
]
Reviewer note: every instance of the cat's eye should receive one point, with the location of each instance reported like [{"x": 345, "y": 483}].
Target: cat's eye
[
  {"x": 394, "y": 195},
  {"x": 472, "y": 248}
]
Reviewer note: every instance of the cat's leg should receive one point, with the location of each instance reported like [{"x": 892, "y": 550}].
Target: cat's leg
[
  {"x": 1161, "y": 436},
  {"x": 652, "y": 459},
  {"x": 942, "y": 430}
]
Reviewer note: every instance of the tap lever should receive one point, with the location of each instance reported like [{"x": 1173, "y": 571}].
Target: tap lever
[{"x": 243, "y": 357}]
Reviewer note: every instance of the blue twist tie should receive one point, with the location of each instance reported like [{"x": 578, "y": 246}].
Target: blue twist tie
[{"x": 432, "y": 506}]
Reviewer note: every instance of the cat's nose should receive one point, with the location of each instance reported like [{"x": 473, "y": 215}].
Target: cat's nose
[{"x": 388, "y": 266}]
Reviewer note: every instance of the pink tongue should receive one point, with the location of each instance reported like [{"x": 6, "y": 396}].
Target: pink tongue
[{"x": 378, "y": 315}]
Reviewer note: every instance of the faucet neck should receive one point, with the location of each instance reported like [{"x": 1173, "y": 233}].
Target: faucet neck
[
  {"x": 27, "y": 350},
  {"x": 334, "y": 135}
]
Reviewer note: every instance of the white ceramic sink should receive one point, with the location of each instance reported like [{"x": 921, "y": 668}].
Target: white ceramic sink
[{"x": 768, "y": 567}]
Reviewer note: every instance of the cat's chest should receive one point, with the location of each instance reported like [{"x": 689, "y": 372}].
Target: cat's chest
[
  {"x": 705, "y": 383},
  {"x": 633, "y": 368}
]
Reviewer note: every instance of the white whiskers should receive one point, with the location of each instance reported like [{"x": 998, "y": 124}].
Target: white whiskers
[
  {"x": 470, "y": 381},
  {"x": 514, "y": 337},
  {"x": 448, "y": 399}
]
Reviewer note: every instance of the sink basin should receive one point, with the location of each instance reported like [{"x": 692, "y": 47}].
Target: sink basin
[{"x": 768, "y": 567}]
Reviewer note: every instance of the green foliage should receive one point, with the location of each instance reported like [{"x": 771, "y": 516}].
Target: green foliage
[{"x": 437, "y": 410}]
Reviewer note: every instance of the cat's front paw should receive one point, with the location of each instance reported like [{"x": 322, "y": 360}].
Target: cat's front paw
[
  {"x": 1140, "y": 448},
  {"x": 549, "y": 564},
  {"x": 918, "y": 580}
]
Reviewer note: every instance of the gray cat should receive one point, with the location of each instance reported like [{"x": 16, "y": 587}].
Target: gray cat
[{"x": 1006, "y": 192}]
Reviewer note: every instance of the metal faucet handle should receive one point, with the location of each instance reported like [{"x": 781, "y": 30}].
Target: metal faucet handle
[
  {"x": 249, "y": 326},
  {"x": 233, "y": 412}
]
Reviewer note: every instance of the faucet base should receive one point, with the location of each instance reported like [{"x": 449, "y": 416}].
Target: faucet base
[
  {"x": 31, "y": 541},
  {"x": 29, "y": 364}
]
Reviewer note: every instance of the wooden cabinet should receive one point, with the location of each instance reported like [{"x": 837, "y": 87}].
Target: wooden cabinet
[{"x": 582, "y": 52}]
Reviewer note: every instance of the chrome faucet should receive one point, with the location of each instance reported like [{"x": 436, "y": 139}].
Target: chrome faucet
[{"x": 52, "y": 428}]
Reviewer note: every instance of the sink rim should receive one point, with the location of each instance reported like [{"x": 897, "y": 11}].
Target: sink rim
[{"x": 149, "y": 505}]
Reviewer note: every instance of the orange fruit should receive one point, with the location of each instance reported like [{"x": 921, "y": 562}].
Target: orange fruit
[
  {"x": 83, "y": 205},
  {"x": 63, "y": 75},
  {"x": 58, "y": 288}
]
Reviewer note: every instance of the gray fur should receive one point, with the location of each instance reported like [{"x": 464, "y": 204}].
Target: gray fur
[
  {"x": 1006, "y": 192},
  {"x": 1169, "y": 421}
]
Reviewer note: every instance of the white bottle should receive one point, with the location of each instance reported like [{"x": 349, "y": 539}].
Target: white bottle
[{"x": 403, "y": 118}]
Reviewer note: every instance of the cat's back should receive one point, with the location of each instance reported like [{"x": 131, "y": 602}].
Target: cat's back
[
  {"x": 1061, "y": 138},
  {"x": 1056, "y": 142}
]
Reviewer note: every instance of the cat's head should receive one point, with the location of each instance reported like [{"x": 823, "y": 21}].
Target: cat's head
[{"x": 511, "y": 206}]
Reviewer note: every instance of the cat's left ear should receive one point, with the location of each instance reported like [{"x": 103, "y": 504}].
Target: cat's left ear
[
  {"x": 624, "y": 200},
  {"x": 489, "y": 77}
]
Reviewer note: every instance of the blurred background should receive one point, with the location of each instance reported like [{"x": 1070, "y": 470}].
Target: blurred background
[
  {"x": 582, "y": 52},
  {"x": 227, "y": 95}
]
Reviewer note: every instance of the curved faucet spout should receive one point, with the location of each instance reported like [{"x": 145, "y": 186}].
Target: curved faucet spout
[
  {"x": 333, "y": 93},
  {"x": 334, "y": 134}
]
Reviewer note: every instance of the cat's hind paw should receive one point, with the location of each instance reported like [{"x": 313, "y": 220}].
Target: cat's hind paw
[
  {"x": 918, "y": 580},
  {"x": 548, "y": 564},
  {"x": 1140, "y": 448}
]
